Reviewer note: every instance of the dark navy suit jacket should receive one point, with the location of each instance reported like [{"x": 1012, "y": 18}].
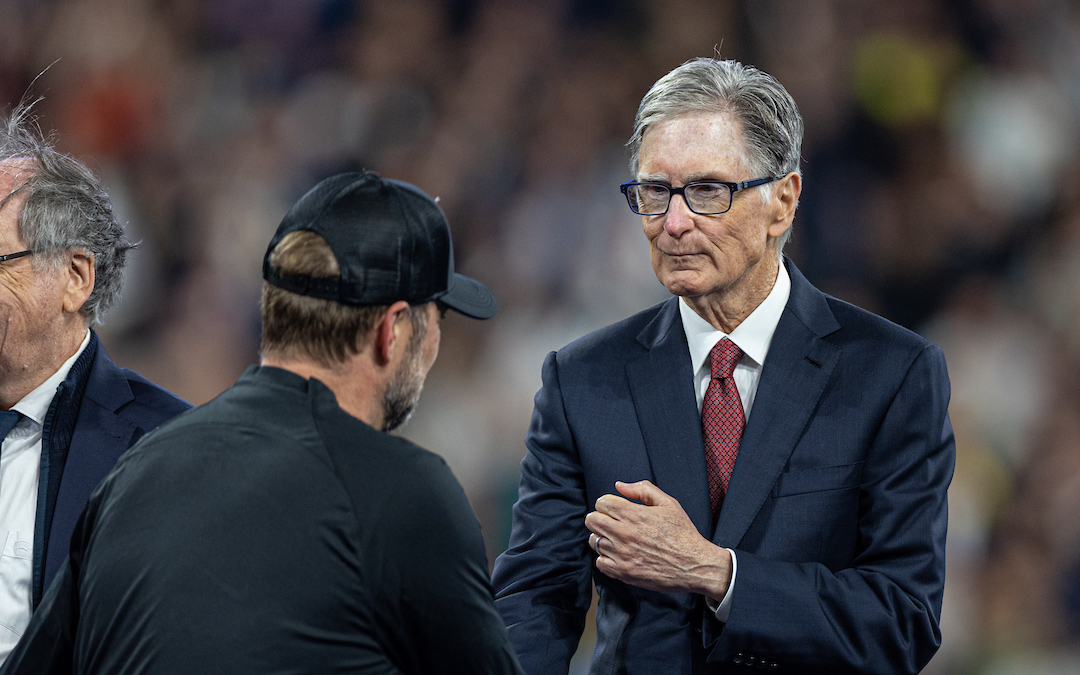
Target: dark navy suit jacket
[
  {"x": 836, "y": 507},
  {"x": 85, "y": 434}
]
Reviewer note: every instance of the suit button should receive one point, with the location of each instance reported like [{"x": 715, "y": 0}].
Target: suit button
[
  {"x": 739, "y": 658},
  {"x": 774, "y": 665},
  {"x": 751, "y": 660}
]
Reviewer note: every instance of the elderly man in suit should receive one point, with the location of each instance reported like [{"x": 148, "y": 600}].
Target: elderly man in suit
[
  {"x": 752, "y": 473},
  {"x": 66, "y": 410}
]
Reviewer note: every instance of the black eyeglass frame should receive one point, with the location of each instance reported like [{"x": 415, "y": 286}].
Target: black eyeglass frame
[
  {"x": 13, "y": 256},
  {"x": 672, "y": 191}
]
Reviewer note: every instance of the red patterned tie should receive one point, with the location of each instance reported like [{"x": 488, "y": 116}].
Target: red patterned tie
[{"x": 722, "y": 420}]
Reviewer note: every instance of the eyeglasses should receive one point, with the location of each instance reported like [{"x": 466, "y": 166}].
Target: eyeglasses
[
  {"x": 703, "y": 197},
  {"x": 13, "y": 256}
]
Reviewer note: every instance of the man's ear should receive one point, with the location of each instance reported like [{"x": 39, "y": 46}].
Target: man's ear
[
  {"x": 389, "y": 332},
  {"x": 78, "y": 280},
  {"x": 786, "y": 196}
]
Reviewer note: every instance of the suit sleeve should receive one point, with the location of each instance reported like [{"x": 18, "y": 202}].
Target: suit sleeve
[
  {"x": 880, "y": 614},
  {"x": 434, "y": 586},
  {"x": 542, "y": 582}
]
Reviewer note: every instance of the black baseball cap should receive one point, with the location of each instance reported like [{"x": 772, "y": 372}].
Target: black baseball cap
[{"x": 391, "y": 241}]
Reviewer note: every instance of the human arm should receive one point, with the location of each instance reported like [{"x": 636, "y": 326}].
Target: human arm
[
  {"x": 543, "y": 581},
  {"x": 441, "y": 616}
]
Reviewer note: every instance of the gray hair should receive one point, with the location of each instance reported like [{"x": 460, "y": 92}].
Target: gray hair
[
  {"x": 66, "y": 208},
  {"x": 771, "y": 123}
]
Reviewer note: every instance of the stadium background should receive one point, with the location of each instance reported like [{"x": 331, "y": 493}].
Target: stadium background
[{"x": 941, "y": 190}]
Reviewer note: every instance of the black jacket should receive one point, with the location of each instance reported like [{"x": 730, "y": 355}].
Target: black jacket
[{"x": 270, "y": 532}]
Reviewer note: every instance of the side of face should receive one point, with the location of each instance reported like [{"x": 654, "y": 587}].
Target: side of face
[
  {"x": 722, "y": 256},
  {"x": 402, "y": 393},
  {"x": 40, "y": 324},
  {"x": 31, "y": 302}
]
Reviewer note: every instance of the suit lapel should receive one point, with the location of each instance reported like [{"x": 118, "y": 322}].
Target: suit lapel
[
  {"x": 91, "y": 424},
  {"x": 793, "y": 378},
  {"x": 98, "y": 435},
  {"x": 662, "y": 387}
]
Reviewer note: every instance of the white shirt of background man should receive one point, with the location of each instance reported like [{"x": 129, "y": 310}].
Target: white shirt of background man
[{"x": 20, "y": 464}]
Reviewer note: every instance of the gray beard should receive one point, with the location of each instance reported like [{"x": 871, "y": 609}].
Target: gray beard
[{"x": 402, "y": 393}]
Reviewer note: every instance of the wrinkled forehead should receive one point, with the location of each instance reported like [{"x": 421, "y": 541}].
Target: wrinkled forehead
[
  {"x": 16, "y": 168},
  {"x": 13, "y": 172},
  {"x": 17, "y": 164},
  {"x": 694, "y": 145}
]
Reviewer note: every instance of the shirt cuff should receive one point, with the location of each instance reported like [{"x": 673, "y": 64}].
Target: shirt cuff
[{"x": 723, "y": 608}]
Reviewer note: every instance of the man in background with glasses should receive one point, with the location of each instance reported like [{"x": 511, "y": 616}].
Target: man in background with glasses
[
  {"x": 66, "y": 410},
  {"x": 752, "y": 473}
]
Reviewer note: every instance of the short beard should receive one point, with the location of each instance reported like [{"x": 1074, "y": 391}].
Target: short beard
[{"x": 402, "y": 392}]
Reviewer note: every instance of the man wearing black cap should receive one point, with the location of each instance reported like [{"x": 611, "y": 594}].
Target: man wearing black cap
[{"x": 278, "y": 528}]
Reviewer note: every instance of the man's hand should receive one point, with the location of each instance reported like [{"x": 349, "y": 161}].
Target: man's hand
[{"x": 654, "y": 545}]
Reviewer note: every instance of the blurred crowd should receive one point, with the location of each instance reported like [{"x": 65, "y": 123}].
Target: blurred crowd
[{"x": 942, "y": 190}]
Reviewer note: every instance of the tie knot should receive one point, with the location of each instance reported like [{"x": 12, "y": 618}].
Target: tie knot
[
  {"x": 8, "y": 420},
  {"x": 723, "y": 357}
]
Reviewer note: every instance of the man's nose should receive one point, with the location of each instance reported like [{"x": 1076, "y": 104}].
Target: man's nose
[{"x": 679, "y": 217}]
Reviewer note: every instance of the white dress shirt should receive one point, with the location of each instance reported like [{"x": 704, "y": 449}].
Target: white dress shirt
[
  {"x": 753, "y": 336},
  {"x": 20, "y": 463}
]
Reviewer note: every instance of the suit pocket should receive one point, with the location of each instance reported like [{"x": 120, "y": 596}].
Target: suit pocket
[{"x": 819, "y": 479}]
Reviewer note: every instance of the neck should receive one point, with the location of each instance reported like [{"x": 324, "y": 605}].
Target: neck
[
  {"x": 19, "y": 378},
  {"x": 355, "y": 383},
  {"x": 727, "y": 308}
]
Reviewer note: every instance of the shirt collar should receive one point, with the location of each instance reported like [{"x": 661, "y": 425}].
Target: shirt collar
[
  {"x": 753, "y": 336},
  {"x": 35, "y": 405}
]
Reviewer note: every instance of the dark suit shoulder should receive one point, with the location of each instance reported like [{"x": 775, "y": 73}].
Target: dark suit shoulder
[
  {"x": 858, "y": 332},
  {"x": 619, "y": 339},
  {"x": 153, "y": 397},
  {"x": 130, "y": 395},
  {"x": 858, "y": 324}
]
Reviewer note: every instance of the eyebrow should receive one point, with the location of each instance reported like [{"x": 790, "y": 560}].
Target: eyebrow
[{"x": 689, "y": 178}]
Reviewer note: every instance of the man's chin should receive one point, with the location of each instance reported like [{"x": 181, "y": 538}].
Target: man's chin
[
  {"x": 400, "y": 400},
  {"x": 395, "y": 423},
  {"x": 685, "y": 285}
]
